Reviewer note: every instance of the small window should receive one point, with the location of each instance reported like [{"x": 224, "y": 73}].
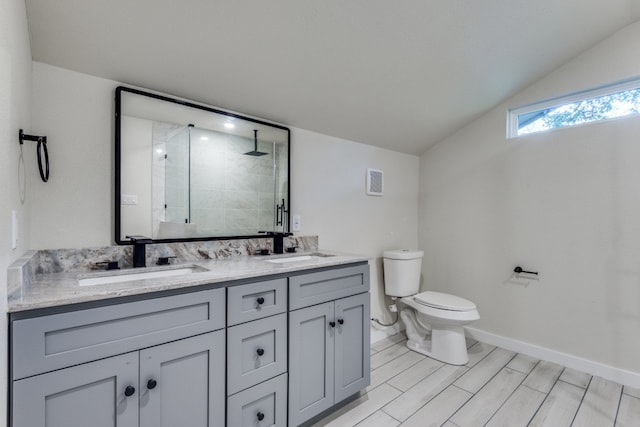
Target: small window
[{"x": 608, "y": 102}]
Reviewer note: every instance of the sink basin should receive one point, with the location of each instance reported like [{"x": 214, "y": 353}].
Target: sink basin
[
  {"x": 311, "y": 256},
  {"x": 290, "y": 259},
  {"x": 128, "y": 277}
]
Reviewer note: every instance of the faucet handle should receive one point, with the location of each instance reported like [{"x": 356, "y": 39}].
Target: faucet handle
[
  {"x": 164, "y": 260},
  {"x": 110, "y": 265},
  {"x": 139, "y": 239}
]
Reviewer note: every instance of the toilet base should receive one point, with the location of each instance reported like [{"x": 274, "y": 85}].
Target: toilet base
[{"x": 445, "y": 343}]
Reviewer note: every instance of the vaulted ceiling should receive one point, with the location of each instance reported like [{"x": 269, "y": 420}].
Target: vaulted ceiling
[{"x": 395, "y": 74}]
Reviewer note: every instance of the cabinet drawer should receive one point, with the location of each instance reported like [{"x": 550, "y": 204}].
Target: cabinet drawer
[
  {"x": 46, "y": 343},
  {"x": 256, "y": 300},
  {"x": 262, "y": 405},
  {"x": 316, "y": 288},
  {"x": 256, "y": 351}
]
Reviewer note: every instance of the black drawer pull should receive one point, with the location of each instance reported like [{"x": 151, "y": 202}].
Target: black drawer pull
[
  {"x": 260, "y": 416},
  {"x": 332, "y": 324},
  {"x": 129, "y": 391},
  {"x": 151, "y": 384},
  {"x": 341, "y": 321},
  {"x": 260, "y": 301},
  {"x": 260, "y": 351}
]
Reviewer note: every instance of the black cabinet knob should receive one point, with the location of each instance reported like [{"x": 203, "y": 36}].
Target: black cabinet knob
[
  {"x": 260, "y": 300},
  {"x": 332, "y": 324},
  {"x": 341, "y": 321},
  {"x": 260, "y": 351},
  {"x": 151, "y": 384},
  {"x": 129, "y": 391},
  {"x": 260, "y": 416}
]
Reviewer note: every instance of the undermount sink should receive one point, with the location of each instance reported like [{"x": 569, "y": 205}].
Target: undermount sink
[
  {"x": 290, "y": 259},
  {"x": 128, "y": 277},
  {"x": 298, "y": 258}
]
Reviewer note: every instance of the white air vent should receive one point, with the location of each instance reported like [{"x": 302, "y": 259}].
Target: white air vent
[{"x": 374, "y": 182}]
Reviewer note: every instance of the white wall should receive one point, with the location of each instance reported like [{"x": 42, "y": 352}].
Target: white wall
[
  {"x": 327, "y": 178},
  {"x": 328, "y": 192},
  {"x": 73, "y": 209},
  {"x": 136, "y": 154},
  {"x": 15, "y": 113},
  {"x": 566, "y": 203}
]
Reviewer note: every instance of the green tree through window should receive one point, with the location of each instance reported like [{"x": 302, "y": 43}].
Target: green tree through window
[{"x": 604, "y": 107}]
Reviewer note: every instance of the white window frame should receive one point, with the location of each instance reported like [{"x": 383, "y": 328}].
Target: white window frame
[{"x": 609, "y": 89}]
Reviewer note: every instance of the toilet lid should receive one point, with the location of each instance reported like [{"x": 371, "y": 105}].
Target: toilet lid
[{"x": 444, "y": 301}]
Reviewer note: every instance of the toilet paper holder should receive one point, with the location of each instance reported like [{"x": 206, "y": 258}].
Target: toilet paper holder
[{"x": 519, "y": 270}]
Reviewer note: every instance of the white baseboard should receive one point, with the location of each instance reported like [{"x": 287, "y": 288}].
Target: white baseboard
[{"x": 618, "y": 375}]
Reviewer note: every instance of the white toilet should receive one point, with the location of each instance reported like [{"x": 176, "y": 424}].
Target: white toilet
[{"x": 433, "y": 320}]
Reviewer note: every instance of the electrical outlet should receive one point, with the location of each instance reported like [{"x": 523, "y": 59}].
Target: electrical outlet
[{"x": 296, "y": 223}]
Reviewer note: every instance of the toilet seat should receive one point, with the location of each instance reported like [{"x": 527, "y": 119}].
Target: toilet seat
[{"x": 444, "y": 301}]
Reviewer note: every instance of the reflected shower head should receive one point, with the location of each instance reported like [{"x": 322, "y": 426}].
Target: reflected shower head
[{"x": 255, "y": 151}]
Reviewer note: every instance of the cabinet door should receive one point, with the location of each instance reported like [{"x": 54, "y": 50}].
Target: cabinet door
[
  {"x": 92, "y": 394},
  {"x": 182, "y": 383},
  {"x": 352, "y": 357},
  {"x": 311, "y": 347}
]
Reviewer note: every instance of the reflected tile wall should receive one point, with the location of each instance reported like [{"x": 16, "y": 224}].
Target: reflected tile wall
[{"x": 222, "y": 177}]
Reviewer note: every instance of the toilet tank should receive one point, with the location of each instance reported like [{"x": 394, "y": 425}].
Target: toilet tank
[{"x": 402, "y": 272}]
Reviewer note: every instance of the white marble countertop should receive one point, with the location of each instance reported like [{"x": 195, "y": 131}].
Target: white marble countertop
[{"x": 56, "y": 289}]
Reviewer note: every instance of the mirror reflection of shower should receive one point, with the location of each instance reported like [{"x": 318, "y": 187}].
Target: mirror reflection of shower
[{"x": 217, "y": 183}]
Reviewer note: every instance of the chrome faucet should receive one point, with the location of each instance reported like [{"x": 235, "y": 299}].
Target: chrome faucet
[{"x": 139, "y": 250}]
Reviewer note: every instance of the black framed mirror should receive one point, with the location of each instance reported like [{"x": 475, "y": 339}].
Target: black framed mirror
[{"x": 187, "y": 172}]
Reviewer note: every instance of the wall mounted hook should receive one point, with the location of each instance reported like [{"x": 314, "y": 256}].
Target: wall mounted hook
[
  {"x": 36, "y": 138},
  {"x": 41, "y": 150}
]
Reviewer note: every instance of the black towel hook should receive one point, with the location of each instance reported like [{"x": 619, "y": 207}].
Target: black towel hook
[{"x": 41, "y": 150}]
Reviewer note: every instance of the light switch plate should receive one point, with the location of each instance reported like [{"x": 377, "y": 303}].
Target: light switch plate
[
  {"x": 129, "y": 199},
  {"x": 14, "y": 230}
]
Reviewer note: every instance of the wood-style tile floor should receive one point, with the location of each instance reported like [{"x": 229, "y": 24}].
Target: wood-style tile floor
[{"x": 496, "y": 388}]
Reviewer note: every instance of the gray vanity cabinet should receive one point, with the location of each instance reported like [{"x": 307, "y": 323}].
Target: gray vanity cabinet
[
  {"x": 268, "y": 353},
  {"x": 145, "y": 363},
  {"x": 329, "y": 356},
  {"x": 172, "y": 384}
]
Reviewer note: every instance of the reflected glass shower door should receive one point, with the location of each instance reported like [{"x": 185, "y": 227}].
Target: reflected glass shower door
[
  {"x": 177, "y": 177},
  {"x": 212, "y": 186}
]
